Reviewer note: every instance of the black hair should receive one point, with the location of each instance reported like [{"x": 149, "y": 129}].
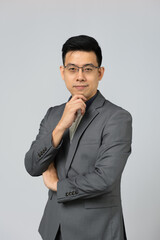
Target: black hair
[{"x": 82, "y": 43}]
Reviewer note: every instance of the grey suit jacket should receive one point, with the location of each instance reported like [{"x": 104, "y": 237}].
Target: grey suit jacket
[{"x": 87, "y": 204}]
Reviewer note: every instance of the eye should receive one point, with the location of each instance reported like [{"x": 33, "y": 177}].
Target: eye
[
  {"x": 72, "y": 69},
  {"x": 88, "y": 69}
]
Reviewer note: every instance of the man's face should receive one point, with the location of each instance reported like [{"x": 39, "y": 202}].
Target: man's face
[{"x": 84, "y": 81}]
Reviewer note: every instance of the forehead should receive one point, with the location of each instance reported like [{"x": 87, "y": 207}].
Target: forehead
[{"x": 80, "y": 58}]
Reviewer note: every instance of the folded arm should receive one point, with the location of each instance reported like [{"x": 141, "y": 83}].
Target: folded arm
[
  {"x": 42, "y": 151},
  {"x": 48, "y": 142},
  {"x": 111, "y": 159}
]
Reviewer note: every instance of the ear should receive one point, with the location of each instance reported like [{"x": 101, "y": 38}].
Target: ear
[
  {"x": 62, "y": 71},
  {"x": 101, "y": 72}
]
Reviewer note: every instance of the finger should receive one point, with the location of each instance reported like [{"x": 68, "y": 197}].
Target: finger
[
  {"x": 78, "y": 97},
  {"x": 50, "y": 166},
  {"x": 77, "y": 102},
  {"x": 81, "y": 104},
  {"x": 78, "y": 107},
  {"x": 82, "y": 110}
]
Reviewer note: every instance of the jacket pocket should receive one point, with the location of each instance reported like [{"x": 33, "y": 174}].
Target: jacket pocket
[{"x": 112, "y": 201}]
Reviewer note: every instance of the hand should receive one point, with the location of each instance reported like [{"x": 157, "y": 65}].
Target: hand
[
  {"x": 70, "y": 112},
  {"x": 50, "y": 177}
]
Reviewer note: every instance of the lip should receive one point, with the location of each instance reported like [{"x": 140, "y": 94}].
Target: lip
[{"x": 79, "y": 87}]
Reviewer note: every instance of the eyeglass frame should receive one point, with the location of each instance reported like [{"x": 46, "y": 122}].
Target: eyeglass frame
[{"x": 89, "y": 64}]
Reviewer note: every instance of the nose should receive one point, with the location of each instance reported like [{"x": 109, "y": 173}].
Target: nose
[{"x": 80, "y": 75}]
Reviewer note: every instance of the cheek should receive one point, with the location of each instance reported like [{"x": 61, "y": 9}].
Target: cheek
[
  {"x": 93, "y": 82},
  {"x": 68, "y": 81},
  {"x": 68, "y": 86}
]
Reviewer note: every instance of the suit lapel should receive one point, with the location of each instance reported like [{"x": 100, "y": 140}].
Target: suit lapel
[{"x": 89, "y": 116}]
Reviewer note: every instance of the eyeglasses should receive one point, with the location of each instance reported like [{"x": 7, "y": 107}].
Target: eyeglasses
[{"x": 88, "y": 68}]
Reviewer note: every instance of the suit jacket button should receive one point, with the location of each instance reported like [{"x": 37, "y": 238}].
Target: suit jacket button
[
  {"x": 70, "y": 193},
  {"x": 67, "y": 193}
]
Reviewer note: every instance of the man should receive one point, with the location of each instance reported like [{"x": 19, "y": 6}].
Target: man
[{"x": 81, "y": 150}]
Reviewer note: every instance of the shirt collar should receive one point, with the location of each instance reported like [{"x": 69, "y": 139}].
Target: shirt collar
[{"x": 89, "y": 102}]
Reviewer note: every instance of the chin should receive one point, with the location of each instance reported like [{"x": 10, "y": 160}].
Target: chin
[{"x": 81, "y": 92}]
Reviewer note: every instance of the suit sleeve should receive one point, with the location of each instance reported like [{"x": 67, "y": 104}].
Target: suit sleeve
[
  {"x": 42, "y": 152},
  {"x": 111, "y": 159}
]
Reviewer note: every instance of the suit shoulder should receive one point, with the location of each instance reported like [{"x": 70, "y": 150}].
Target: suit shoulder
[
  {"x": 54, "y": 111},
  {"x": 57, "y": 107},
  {"x": 113, "y": 109}
]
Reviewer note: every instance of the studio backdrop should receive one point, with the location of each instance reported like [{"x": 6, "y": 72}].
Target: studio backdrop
[{"x": 32, "y": 35}]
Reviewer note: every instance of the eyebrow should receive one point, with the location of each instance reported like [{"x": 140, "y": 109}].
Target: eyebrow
[{"x": 87, "y": 64}]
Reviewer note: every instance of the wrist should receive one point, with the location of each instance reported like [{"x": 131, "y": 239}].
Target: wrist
[
  {"x": 60, "y": 127},
  {"x": 57, "y": 135}
]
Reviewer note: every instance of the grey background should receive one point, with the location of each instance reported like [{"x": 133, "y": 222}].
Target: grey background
[{"x": 32, "y": 33}]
